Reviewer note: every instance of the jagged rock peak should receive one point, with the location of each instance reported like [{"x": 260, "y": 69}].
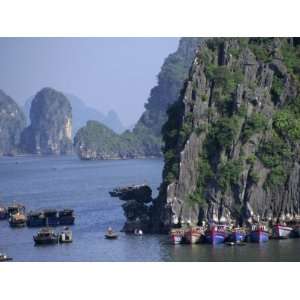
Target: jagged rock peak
[
  {"x": 50, "y": 131},
  {"x": 12, "y": 122}
]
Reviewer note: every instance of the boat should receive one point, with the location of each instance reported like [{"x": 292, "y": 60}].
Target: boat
[
  {"x": 15, "y": 208},
  {"x": 193, "y": 235},
  {"x": 138, "y": 232},
  {"x": 66, "y": 217},
  {"x": 110, "y": 235},
  {"x": 281, "y": 231},
  {"x": 66, "y": 236},
  {"x": 51, "y": 216},
  {"x": 216, "y": 234},
  {"x": 36, "y": 219},
  {"x": 4, "y": 257},
  {"x": 46, "y": 236},
  {"x": 17, "y": 220},
  {"x": 3, "y": 213},
  {"x": 259, "y": 233},
  {"x": 177, "y": 235},
  {"x": 237, "y": 234}
]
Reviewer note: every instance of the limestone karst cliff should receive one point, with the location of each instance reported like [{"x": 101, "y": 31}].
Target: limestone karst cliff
[
  {"x": 12, "y": 122},
  {"x": 232, "y": 140},
  {"x": 50, "y": 131}
]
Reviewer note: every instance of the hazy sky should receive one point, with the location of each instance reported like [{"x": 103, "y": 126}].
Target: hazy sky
[{"x": 107, "y": 73}]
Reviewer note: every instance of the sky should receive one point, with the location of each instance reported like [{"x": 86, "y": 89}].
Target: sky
[{"x": 106, "y": 73}]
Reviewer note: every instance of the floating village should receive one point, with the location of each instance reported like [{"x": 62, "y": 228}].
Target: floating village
[{"x": 217, "y": 232}]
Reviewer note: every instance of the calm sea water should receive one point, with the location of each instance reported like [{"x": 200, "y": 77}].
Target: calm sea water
[{"x": 66, "y": 182}]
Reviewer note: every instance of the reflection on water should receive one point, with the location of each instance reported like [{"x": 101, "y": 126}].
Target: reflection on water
[{"x": 59, "y": 182}]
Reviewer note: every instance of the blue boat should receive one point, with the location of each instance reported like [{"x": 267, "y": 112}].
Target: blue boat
[
  {"x": 51, "y": 217},
  {"x": 216, "y": 234},
  {"x": 237, "y": 235},
  {"x": 36, "y": 219},
  {"x": 259, "y": 234}
]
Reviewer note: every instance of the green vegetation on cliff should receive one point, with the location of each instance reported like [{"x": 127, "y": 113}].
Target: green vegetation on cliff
[{"x": 236, "y": 129}]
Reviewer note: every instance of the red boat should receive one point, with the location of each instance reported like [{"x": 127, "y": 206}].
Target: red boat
[
  {"x": 193, "y": 235},
  {"x": 281, "y": 231}
]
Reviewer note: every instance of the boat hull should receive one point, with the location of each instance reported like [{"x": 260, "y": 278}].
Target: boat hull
[
  {"x": 259, "y": 236},
  {"x": 215, "y": 237},
  {"x": 66, "y": 220},
  {"x": 176, "y": 239},
  {"x": 282, "y": 232},
  {"x": 49, "y": 241},
  {"x": 237, "y": 236}
]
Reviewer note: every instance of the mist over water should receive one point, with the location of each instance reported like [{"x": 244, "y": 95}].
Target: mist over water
[{"x": 66, "y": 182}]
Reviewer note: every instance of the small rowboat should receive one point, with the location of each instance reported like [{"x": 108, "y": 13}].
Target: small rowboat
[{"x": 111, "y": 236}]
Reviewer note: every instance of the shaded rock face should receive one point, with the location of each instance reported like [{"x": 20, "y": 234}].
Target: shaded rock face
[
  {"x": 50, "y": 131},
  {"x": 232, "y": 140},
  {"x": 137, "y": 207},
  {"x": 12, "y": 122}
]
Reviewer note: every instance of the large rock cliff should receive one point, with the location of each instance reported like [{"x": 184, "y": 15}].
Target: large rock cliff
[
  {"x": 232, "y": 140},
  {"x": 12, "y": 122},
  {"x": 145, "y": 138},
  {"x": 50, "y": 131}
]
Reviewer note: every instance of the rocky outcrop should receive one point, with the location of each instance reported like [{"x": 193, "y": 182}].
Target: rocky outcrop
[
  {"x": 232, "y": 140},
  {"x": 50, "y": 131},
  {"x": 12, "y": 122},
  {"x": 137, "y": 206}
]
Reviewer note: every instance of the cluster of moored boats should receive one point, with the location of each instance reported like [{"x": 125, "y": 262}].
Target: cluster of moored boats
[
  {"x": 17, "y": 217},
  {"x": 222, "y": 233}
]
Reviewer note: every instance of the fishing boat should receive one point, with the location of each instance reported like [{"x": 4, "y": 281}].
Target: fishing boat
[
  {"x": 281, "y": 231},
  {"x": 4, "y": 257},
  {"x": 193, "y": 235},
  {"x": 36, "y": 219},
  {"x": 176, "y": 235},
  {"x": 3, "y": 213},
  {"x": 51, "y": 216},
  {"x": 66, "y": 236},
  {"x": 216, "y": 234},
  {"x": 110, "y": 235},
  {"x": 259, "y": 233},
  {"x": 66, "y": 217},
  {"x": 46, "y": 236},
  {"x": 17, "y": 220},
  {"x": 237, "y": 235},
  {"x": 15, "y": 208}
]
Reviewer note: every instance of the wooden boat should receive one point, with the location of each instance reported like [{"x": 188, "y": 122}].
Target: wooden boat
[
  {"x": 193, "y": 235},
  {"x": 15, "y": 208},
  {"x": 216, "y": 234},
  {"x": 110, "y": 235},
  {"x": 4, "y": 257},
  {"x": 177, "y": 235},
  {"x": 259, "y": 233},
  {"x": 66, "y": 217},
  {"x": 46, "y": 236},
  {"x": 237, "y": 234},
  {"x": 17, "y": 220},
  {"x": 280, "y": 231},
  {"x": 66, "y": 236}
]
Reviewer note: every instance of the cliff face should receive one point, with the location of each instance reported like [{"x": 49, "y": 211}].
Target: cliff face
[
  {"x": 50, "y": 131},
  {"x": 12, "y": 122},
  {"x": 232, "y": 140},
  {"x": 145, "y": 139}
]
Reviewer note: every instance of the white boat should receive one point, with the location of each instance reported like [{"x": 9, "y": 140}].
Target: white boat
[
  {"x": 281, "y": 231},
  {"x": 66, "y": 236}
]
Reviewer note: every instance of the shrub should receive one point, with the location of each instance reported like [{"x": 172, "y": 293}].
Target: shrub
[{"x": 254, "y": 124}]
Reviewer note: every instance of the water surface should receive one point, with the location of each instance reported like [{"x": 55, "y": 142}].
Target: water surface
[{"x": 66, "y": 182}]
